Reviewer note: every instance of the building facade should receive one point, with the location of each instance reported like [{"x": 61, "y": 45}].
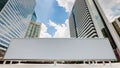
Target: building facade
[
  {"x": 33, "y": 30},
  {"x": 116, "y": 25},
  {"x": 14, "y": 18},
  {"x": 115, "y": 30},
  {"x": 87, "y": 21},
  {"x": 2, "y": 3}
]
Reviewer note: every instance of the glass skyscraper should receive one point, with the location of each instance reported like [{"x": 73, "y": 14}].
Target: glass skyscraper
[
  {"x": 14, "y": 18},
  {"x": 34, "y": 28},
  {"x": 34, "y": 17}
]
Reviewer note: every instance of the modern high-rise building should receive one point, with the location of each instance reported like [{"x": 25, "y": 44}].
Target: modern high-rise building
[
  {"x": 116, "y": 24},
  {"x": 33, "y": 30},
  {"x": 14, "y": 18},
  {"x": 87, "y": 21}
]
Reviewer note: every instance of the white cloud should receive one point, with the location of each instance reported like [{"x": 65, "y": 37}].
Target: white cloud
[
  {"x": 111, "y": 8},
  {"x": 67, "y": 4},
  {"x": 62, "y": 31},
  {"x": 43, "y": 32}
]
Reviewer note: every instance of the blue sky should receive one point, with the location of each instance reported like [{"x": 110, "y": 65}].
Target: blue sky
[
  {"x": 47, "y": 10},
  {"x": 54, "y": 15}
]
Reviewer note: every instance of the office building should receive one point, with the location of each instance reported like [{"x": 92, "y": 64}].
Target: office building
[
  {"x": 82, "y": 21},
  {"x": 33, "y": 30},
  {"x": 86, "y": 22},
  {"x": 14, "y": 18},
  {"x": 116, "y": 25}
]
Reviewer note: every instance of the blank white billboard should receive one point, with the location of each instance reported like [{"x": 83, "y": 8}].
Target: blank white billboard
[{"x": 60, "y": 49}]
